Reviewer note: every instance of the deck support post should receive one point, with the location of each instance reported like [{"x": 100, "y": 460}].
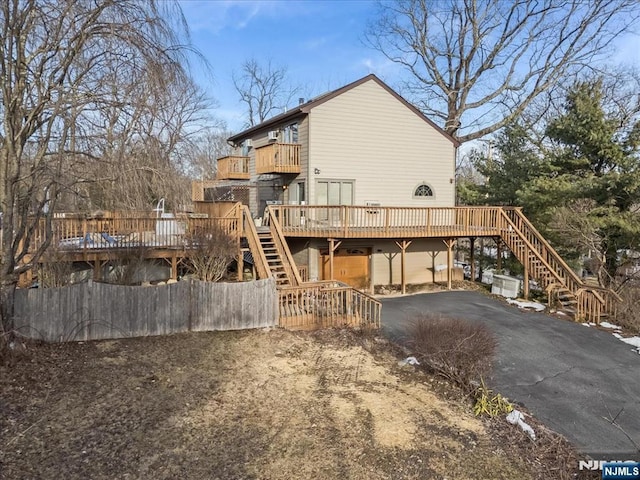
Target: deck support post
[
  {"x": 499, "y": 253},
  {"x": 97, "y": 270},
  {"x": 174, "y": 266},
  {"x": 449, "y": 242},
  {"x": 403, "y": 245},
  {"x": 333, "y": 246},
  {"x": 472, "y": 258},
  {"x": 240, "y": 264},
  {"x": 525, "y": 285}
]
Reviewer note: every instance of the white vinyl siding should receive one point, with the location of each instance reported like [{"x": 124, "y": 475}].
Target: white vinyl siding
[{"x": 369, "y": 135}]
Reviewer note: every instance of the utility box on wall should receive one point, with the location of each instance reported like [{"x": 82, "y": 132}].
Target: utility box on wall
[{"x": 505, "y": 286}]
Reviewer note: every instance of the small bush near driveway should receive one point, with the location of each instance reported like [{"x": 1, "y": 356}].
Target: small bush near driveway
[{"x": 453, "y": 348}]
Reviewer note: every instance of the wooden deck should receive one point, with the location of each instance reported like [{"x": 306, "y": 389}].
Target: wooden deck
[
  {"x": 76, "y": 235},
  {"x": 233, "y": 167},
  {"x": 111, "y": 237},
  {"x": 387, "y": 222},
  {"x": 278, "y": 158}
]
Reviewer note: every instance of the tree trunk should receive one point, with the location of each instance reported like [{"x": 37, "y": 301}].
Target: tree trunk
[{"x": 7, "y": 309}]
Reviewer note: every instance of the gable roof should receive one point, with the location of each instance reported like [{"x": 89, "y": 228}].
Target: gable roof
[{"x": 305, "y": 108}]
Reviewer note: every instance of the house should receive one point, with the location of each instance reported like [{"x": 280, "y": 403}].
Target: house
[{"x": 362, "y": 144}]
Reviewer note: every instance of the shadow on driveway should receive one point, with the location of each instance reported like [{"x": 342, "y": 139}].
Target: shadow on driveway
[{"x": 573, "y": 378}]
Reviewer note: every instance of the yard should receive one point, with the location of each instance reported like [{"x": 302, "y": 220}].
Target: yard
[{"x": 266, "y": 404}]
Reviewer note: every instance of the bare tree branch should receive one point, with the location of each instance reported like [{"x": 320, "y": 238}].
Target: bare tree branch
[
  {"x": 263, "y": 89},
  {"x": 476, "y": 66},
  {"x": 81, "y": 80}
]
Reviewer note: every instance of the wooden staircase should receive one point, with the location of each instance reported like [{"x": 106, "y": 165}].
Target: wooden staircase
[
  {"x": 274, "y": 257},
  {"x": 305, "y": 305},
  {"x": 543, "y": 264},
  {"x": 270, "y": 252}
]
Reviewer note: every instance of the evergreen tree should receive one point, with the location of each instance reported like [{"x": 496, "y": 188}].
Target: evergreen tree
[{"x": 588, "y": 189}]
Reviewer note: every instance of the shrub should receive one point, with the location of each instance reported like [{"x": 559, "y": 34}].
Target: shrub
[
  {"x": 628, "y": 315},
  {"x": 453, "y": 348},
  {"x": 210, "y": 253}
]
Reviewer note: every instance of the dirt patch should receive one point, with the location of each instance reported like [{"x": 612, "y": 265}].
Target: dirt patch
[{"x": 260, "y": 404}]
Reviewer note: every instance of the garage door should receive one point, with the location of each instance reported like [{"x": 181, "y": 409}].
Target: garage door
[{"x": 350, "y": 265}]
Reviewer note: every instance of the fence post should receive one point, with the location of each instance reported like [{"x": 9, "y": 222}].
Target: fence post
[
  {"x": 90, "y": 310},
  {"x": 190, "y": 306}
]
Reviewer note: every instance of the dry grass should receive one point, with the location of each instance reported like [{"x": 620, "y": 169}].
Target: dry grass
[{"x": 230, "y": 405}]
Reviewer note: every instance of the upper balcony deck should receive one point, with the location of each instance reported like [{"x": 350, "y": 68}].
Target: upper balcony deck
[
  {"x": 233, "y": 167},
  {"x": 278, "y": 158}
]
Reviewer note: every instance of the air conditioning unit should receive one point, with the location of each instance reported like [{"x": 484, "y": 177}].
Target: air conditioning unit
[{"x": 273, "y": 135}]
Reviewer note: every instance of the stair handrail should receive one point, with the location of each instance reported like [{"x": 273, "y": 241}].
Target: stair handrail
[
  {"x": 342, "y": 284},
  {"x": 254, "y": 244},
  {"x": 552, "y": 270},
  {"x": 369, "y": 308},
  {"x": 235, "y": 211},
  {"x": 548, "y": 246},
  {"x": 376, "y": 303},
  {"x": 556, "y": 257},
  {"x": 283, "y": 249},
  {"x": 580, "y": 287}
]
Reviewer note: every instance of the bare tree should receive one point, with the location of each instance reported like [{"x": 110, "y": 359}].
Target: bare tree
[
  {"x": 55, "y": 60},
  {"x": 211, "y": 253},
  {"x": 476, "y": 65},
  {"x": 263, "y": 89},
  {"x": 205, "y": 149}
]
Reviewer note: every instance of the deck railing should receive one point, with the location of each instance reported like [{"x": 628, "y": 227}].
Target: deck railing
[
  {"x": 278, "y": 158},
  {"x": 251, "y": 234},
  {"x": 389, "y": 222},
  {"x": 542, "y": 249},
  {"x": 303, "y": 271},
  {"x": 285, "y": 253},
  {"x": 81, "y": 234},
  {"x": 233, "y": 167},
  {"x": 327, "y": 304}
]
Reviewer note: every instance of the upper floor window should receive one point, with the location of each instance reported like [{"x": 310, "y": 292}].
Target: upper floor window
[
  {"x": 423, "y": 190},
  {"x": 290, "y": 133},
  {"x": 245, "y": 148}
]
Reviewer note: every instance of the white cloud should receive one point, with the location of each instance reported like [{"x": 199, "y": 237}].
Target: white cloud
[
  {"x": 215, "y": 16},
  {"x": 627, "y": 49},
  {"x": 379, "y": 66}
]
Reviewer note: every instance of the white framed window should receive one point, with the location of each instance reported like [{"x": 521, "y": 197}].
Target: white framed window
[
  {"x": 290, "y": 133},
  {"x": 424, "y": 190}
]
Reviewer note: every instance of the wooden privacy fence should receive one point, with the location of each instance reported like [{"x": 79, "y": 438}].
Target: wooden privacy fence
[{"x": 94, "y": 311}]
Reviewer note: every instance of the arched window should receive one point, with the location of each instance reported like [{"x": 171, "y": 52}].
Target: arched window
[{"x": 423, "y": 190}]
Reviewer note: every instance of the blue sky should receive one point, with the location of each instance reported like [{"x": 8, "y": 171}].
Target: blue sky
[{"x": 320, "y": 42}]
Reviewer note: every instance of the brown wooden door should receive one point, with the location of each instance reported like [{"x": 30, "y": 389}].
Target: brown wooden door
[{"x": 350, "y": 265}]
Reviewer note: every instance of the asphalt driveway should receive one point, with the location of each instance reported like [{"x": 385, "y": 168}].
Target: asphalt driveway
[{"x": 574, "y": 378}]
